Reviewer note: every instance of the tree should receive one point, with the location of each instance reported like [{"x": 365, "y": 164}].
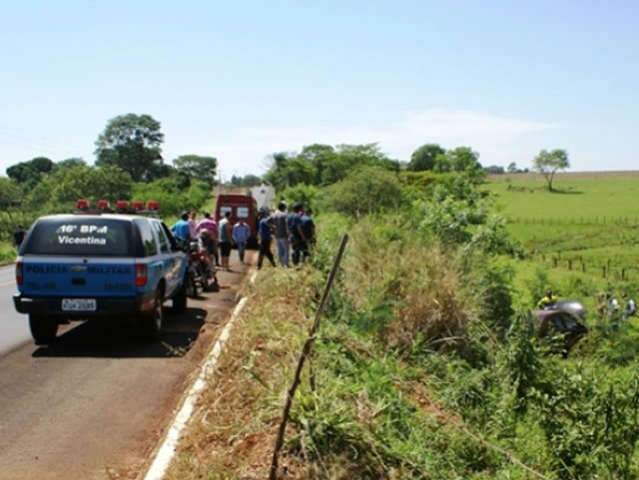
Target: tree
[
  {"x": 277, "y": 174},
  {"x": 424, "y": 157},
  {"x": 109, "y": 182},
  {"x": 10, "y": 193},
  {"x": 460, "y": 160},
  {"x": 366, "y": 190},
  {"x": 70, "y": 162},
  {"x": 248, "y": 180},
  {"x": 548, "y": 163},
  {"x": 31, "y": 172},
  {"x": 319, "y": 164},
  {"x": 442, "y": 163},
  {"x": 494, "y": 170},
  {"x": 133, "y": 143},
  {"x": 197, "y": 167},
  {"x": 512, "y": 168},
  {"x": 463, "y": 159},
  {"x": 308, "y": 195}
]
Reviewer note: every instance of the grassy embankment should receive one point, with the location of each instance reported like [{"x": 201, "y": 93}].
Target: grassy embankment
[
  {"x": 363, "y": 411},
  {"x": 414, "y": 376}
]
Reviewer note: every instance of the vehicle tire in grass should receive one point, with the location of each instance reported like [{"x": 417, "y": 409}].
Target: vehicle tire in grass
[
  {"x": 153, "y": 321},
  {"x": 180, "y": 298},
  {"x": 43, "y": 329}
]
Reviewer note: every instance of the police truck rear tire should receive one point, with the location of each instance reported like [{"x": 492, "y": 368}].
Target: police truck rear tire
[
  {"x": 43, "y": 329},
  {"x": 153, "y": 321}
]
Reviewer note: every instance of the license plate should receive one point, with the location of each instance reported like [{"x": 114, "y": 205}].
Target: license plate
[{"x": 79, "y": 305}]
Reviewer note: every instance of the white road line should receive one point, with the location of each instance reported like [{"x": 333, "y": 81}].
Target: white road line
[{"x": 166, "y": 452}]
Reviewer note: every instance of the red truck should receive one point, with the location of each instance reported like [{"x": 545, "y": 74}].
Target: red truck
[{"x": 240, "y": 206}]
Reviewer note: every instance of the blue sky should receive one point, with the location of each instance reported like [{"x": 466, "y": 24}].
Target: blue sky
[{"x": 240, "y": 80}]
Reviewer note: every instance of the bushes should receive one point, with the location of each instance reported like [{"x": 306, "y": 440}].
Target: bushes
[
  {"x": 58, "y": 191},
  {"x": 492, "y": 284},
  {"x": 411, "y": 291},
  {"x": 7, "y": 253},
  {"x": 307, "y": 195},
  {"x": 174, "y": 196},
  {"x": 591, "y": 426},
  {"x": 365, "y": 191}
]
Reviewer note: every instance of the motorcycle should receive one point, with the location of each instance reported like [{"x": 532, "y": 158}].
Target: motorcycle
[{"x": 201, "y": 274}]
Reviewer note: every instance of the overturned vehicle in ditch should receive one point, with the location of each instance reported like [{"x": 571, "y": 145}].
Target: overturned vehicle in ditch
[{"x": 562, "y": 324}]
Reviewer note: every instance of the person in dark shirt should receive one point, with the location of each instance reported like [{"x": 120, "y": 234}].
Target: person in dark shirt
[
  {"x": 298, "y": 239},
  {"x": 18, "y": 236},
  {"x": 265, "y": 232},
  {"x": 308, "y": 226}
]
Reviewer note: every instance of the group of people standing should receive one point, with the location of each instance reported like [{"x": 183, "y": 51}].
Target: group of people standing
[
  {"x": 608, "y": 306},
  {"x": 216, "y": 240},
  {"x": 294, "y": 230},
  {"x": 294, "y": 233}
]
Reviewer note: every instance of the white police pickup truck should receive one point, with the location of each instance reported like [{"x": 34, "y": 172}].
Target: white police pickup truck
[{"x": 93, "y": 265}]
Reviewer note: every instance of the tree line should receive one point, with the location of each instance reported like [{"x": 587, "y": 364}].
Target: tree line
[{"x": 129, "y": 164}]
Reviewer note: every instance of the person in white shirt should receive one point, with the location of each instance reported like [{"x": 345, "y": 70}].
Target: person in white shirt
[{"x": 631, "y": 308}]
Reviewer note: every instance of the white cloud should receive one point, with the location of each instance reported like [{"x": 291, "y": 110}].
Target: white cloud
[{"x": 498, "y": 139}]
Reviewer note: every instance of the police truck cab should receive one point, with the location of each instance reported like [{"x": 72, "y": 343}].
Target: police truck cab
[{"x": 99, "y": 265}]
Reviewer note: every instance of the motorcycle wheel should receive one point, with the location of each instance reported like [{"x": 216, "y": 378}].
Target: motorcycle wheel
[{"x": 192, "y": 289}]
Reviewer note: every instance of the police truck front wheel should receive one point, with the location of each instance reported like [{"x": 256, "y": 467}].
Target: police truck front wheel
[
  {"x": 43, "y": 329},
  {"x": 153, "y": 321}
]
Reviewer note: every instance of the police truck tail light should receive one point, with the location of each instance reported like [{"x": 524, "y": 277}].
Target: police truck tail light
[
  {"x": 82, "y": 204},
  {"x": 141, "y": 275},
  {"x": 19, "y": 276}
]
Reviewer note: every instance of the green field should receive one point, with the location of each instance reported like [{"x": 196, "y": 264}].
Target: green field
[
  {"x": 603, "y": 197},
  {"x": 585, "y": 236}
]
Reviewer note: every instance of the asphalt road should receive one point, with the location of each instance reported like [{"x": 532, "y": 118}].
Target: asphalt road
[
  {"x": 94, "y": 404},
  {"x": 14, "y": 328}
]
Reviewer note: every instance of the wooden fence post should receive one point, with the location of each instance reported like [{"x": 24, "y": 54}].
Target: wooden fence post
[{"x": 306, "y": 350}]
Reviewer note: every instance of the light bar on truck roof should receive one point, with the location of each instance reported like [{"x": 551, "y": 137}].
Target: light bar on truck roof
[
  {"x": 82, "y": 204},
  {"x": 103, "y": 205},
  {"x": 121, "y": 205}
]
